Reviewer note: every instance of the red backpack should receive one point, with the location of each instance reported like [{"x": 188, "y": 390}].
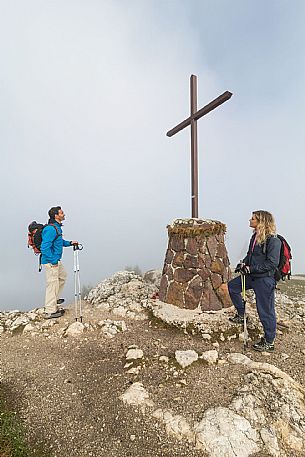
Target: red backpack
[
  {"x": 285, "y": 259},
  {"x": 284, "y": 267}
]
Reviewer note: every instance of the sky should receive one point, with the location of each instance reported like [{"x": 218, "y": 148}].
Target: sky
[{"x": 88, "y": 90}]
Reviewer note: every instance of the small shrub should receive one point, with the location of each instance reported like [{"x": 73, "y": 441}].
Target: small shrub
[
  {"x": 86, "y": 289},
  {"x": 136, "y": 269}
]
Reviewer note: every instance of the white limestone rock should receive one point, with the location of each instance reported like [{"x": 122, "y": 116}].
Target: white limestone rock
[
  {"x": 48, "y": 323},
  {"x": 194, "y": 321},
  {"x": 32, "y": 315},
  {"x": 123, "y": 285},
  {"x": 135, "y": 307},
  {"x": 110, "y": 328},
  {"x": 223, "y": 433},
  {"x": 175, "y": 424},
  {"x": 39, "y": 311},
  {"x": 134, "y": 353},
  {"x": 250, "y": 407},
  {"x": 237, "y": 358},
  {"x": 125, "y": 294},
  {"x": 103, "y": 306},
  {"x": 29, "y": 328},
  {"x": 21, "y": 321},
  {"x": 75, "y": 329},
  {"x": 269, "y": 438},
  {"x": 210, "y": 356},
  {"x": 136, "y": 395},
  {"x": 272, "y": 400},
  {"x": 186, "y": 358},
  {"x": 133, "y": 288},
  {"x": 120, "y": 311}
]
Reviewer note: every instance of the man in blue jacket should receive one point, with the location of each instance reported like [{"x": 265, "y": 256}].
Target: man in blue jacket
[{"x": 51, "y": 252}]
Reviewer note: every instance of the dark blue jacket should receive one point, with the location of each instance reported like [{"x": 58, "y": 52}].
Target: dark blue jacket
[
  {"x": 52, "y": 245},
  {"x": 264, "y": 259}
]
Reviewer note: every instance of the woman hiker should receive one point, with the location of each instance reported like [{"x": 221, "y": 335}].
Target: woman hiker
[{"x": 259, "y": 267}]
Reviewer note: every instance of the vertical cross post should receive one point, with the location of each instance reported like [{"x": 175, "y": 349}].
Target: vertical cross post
[
  {"x": 194, "y": 147},
  {"x": 192, "y": 121}
]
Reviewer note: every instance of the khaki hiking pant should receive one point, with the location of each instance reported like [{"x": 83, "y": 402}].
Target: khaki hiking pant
[{"x": 56, "y": 278}]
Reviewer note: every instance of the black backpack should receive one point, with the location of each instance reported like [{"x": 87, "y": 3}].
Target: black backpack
[{"x": 35, "y": 237}]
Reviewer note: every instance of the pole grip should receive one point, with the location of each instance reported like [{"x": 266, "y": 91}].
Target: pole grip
[{"x": 78, "y": 247}]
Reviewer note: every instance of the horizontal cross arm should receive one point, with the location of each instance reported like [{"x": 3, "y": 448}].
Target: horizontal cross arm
[
  {"x": 179, "y": 127},
  {"x": 212, "y": 105},
  {"x": 205, "y": 110}
]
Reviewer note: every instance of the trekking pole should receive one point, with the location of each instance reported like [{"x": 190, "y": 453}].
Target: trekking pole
[
  {"x": 75, "y": 284},
  {"x": 243, "y": 295},
  {"x": 77, "y": 288}
]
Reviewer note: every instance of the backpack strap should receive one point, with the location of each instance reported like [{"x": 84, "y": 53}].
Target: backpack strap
[
  {"x": 57, "y": 232},
  {"x": 266, "y": 242}
]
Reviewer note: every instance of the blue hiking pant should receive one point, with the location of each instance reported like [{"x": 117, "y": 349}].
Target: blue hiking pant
[{"x": 264, "y": 289}]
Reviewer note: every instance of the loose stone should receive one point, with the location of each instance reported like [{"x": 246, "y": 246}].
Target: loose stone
[
  {"x": 186, "y": 358},
  {"x": 133, "y": 354}
]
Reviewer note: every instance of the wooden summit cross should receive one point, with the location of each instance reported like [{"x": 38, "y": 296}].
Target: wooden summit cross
[{"x": 192, "y": 121}]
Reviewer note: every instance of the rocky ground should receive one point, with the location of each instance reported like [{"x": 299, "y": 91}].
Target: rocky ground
[{"x": 139, "y": 378}]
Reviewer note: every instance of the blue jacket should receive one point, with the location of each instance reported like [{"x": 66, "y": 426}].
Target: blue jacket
[
  {"x": 52, "y": 245},
  {"x": 264, "y": 259}
]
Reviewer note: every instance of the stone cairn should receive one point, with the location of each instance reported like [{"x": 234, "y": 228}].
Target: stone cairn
[{"x": 196, "y": 267}]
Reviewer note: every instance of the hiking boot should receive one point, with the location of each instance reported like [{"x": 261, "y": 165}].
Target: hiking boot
[
  {"x": 61, "y": 310},
  {"x": 53, "y": 315},
  {"x": 263, "y": 346},
  {"x": 237, "y": 319},
  {"x": 60, "y": 301}
]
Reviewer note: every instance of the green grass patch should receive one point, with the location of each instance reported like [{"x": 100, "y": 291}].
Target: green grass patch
[{"x": 12, "y": 434}]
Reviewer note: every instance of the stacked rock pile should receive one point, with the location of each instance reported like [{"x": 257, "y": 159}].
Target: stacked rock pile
[
  {"x": 18, "y": 322},
  {"x": 126, "y": 293},
  {"x": 196, "y": 265}
]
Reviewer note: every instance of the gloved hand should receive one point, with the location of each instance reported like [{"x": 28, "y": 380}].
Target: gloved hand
[
  {"x": 238, "y": 268},
  {"x": 76, "y": 246},
  {"x": 242, "y": 268}
]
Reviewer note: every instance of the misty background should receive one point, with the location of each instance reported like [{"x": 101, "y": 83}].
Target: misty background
[{"x": 88, "y": 90}]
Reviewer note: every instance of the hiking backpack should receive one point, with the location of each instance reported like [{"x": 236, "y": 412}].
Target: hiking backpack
[
  {"x": 283, "y": 270},
  {"x": 35, "y": 237}
]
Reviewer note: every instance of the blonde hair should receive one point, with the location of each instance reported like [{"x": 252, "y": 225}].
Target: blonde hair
[{"x": 265, "y": 226}]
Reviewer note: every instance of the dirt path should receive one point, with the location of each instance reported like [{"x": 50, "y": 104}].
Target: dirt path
[{"x": 67, "y": 389}]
